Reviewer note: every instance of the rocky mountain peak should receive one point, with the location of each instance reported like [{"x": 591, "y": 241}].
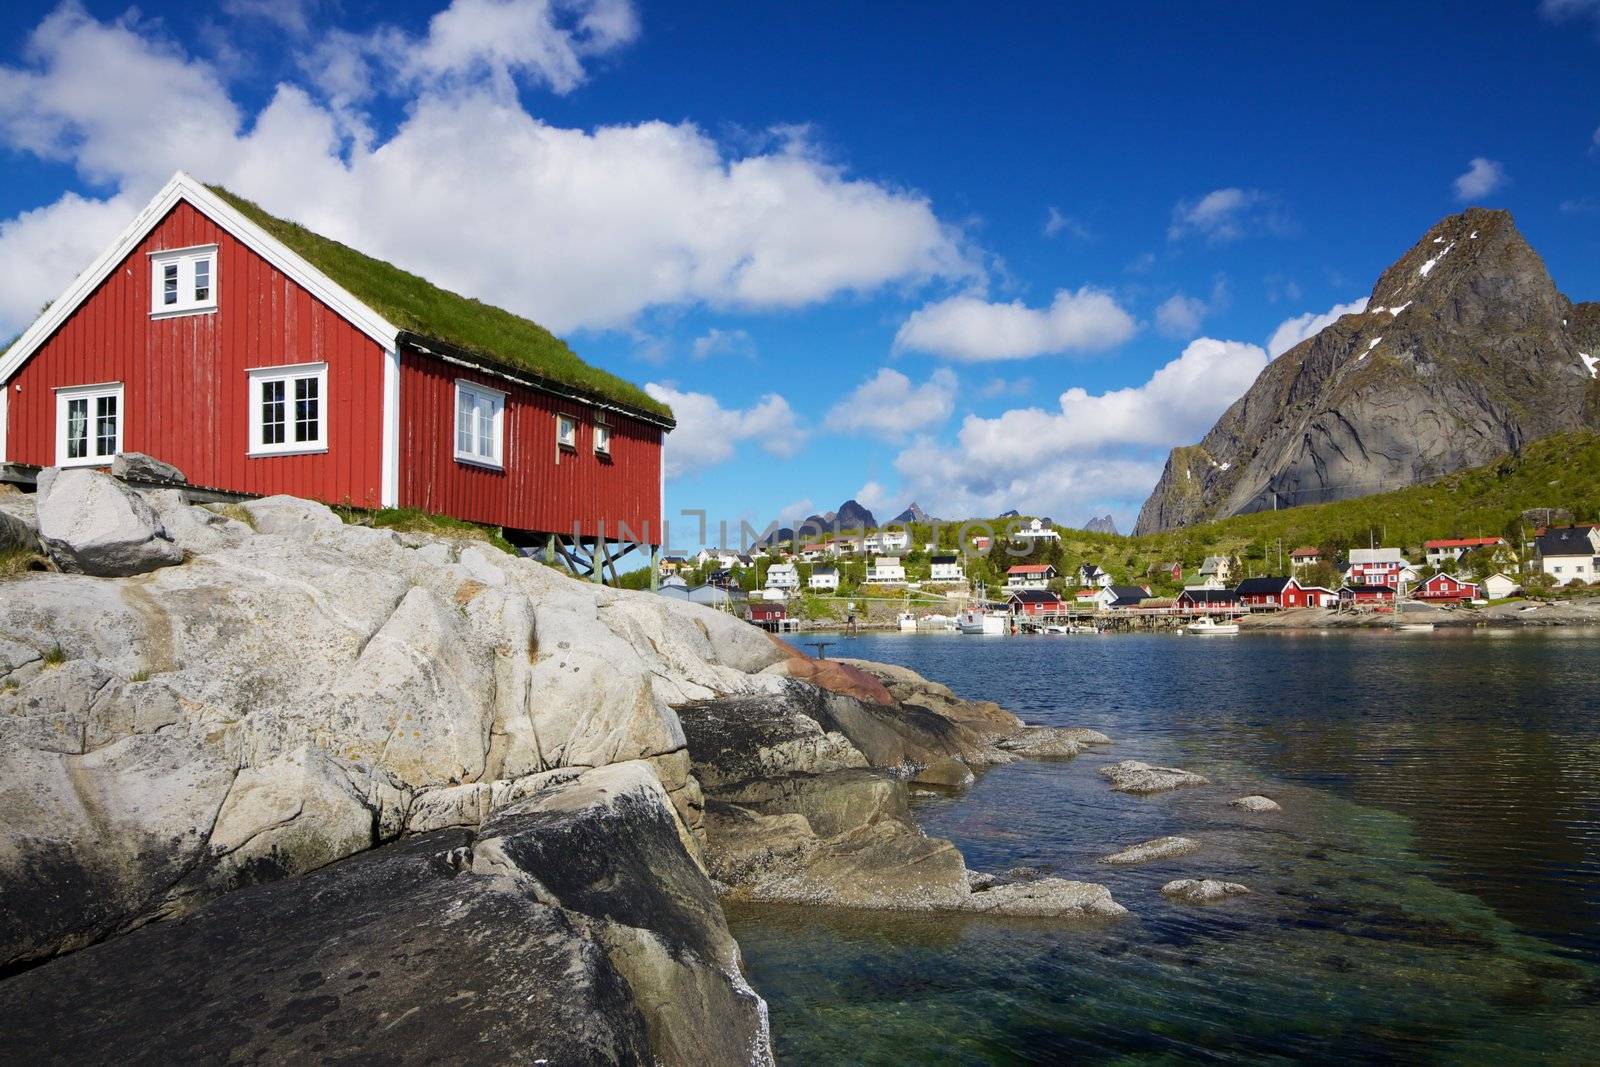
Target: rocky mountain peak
[{"x": 1465, "y": 351}]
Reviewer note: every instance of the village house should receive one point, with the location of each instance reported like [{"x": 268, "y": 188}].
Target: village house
[
  {"x": 673, "y": 581},
  {"x": 981, "y": 543},
  {"x": 783, "y": 576},
  {"x": 1305, "y": 556},
  {"x": 1444, "y": 588},
  {"x": 1365, "y": 596},
  {"x": 1208, "y": 600},
  {"x": 812, "y": 552},
  {"x": 1088, "y": 595},
  {"x": 259, "y": 358},
  {"x": 1216, "y": 571},
  {"x": 1568, "y": 553},
  {"x": 767, "y": 614},
  {"x": 1121, "y": 597},
  {"x": 1498, "y": 586},
  {"x": 1029, "y": 576},
  {"x": 1035, "y": 602},
  {"x": 824, "y": 579},
  {"x": 946, "y": 568},
  {"x": 1445, "y": 551},
  {"x": 886, "y": 570},
  {"x": 1171, "y": 571},
  {"x": 672, "y": 564},
  {"x": 1275, "y": 594},
  {"x": 1035, "y": 531},
  {"x": 1378, "y": 566},
  {"x": 1091, "y": 574},
  {"x": 894, "y": 540}
]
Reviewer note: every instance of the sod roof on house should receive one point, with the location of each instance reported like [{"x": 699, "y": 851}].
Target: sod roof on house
[{"x": 417, "y": 306}]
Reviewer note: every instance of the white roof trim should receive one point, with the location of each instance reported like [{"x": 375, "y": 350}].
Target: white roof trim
[{"x": 233, "y": 222}]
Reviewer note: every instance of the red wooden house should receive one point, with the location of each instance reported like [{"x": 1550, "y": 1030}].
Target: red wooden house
[
  {"x": 1366, "y": 596},
  {"x": 1446, "y": 588},
  {"x": 260, "y": 358},
  {"x": 1036, "y": 602},
  {"x": 1271, "y": 594}
]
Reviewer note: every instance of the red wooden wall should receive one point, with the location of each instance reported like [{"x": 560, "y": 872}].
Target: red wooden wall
[
  {"x": 185, "y": 388},
  {"x": 534, "y": 491}
]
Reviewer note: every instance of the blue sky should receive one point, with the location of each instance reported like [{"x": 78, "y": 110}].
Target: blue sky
[{"x": 982, "y": 255}]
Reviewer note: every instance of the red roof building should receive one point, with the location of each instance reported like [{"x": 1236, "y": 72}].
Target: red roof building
[
  {"x": 1445, "y": 588},
  {"x": 1450, "y": 549},
  {"x": 234, "y": 346}
]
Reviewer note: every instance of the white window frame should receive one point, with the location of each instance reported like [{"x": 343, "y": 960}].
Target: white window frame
[
  {"x": 186, "y": 262},
  {"x": 601, "y": 427},
  {"x": 259, "y": 376},
  {"x": 497, "y": 397},
  {"x": 570, "y": 422},
  {"x": 91, "y": 393}
]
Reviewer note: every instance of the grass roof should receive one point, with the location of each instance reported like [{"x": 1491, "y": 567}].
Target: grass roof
[{"x": 417, "y": 306}]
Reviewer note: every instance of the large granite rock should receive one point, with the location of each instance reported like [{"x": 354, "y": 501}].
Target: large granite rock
[
  {"x": 138, "y": 467},
  {"x": 1202, "y": 890},
  {"x": 92, "y": 524},
  {"x": 1160, "y": 848},
  {"x": 572, "y": 929},
  {"x": 1464, "y": 351},
  {"x": 301, "y": 689}
]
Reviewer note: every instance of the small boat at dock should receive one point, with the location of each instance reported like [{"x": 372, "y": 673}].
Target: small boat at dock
[
  {"x": 978, "y": 621},
  {"x": 1211, "y": 628}
]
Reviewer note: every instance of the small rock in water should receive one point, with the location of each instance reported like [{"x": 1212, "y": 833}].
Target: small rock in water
[
  {"x": 1131, "y": 776},
  {"x": 1159, "y": 849},
  {"x": 947, "y": 773},
  {"x": 1202, "y": 890},
  {"x": 1256, "y": 803},
  {"x": 1042, "y": 742},
  {"x": 1055, "y": 898},
  {"x": 1084, "y": 736}
]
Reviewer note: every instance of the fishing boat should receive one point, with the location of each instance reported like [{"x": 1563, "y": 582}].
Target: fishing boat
[
  {"x": 1209, "y": 627},
  {"x": 981, "y": 621},
  {"x": 908, "y": 622},
  {"x": 1083, "y": 628}
]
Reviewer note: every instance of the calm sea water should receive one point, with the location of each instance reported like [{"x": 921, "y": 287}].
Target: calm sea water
[{"x": 1431, "y": 891}]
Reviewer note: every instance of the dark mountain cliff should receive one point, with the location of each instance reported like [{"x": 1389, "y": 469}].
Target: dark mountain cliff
[{"x": 1466, "y": 351}]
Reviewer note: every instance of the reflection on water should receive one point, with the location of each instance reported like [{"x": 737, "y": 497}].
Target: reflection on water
[{"x": 1432, "y": 889}]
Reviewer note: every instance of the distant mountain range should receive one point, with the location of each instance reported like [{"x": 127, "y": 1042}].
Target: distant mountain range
[
  {"x": 1465, "y": 351},
  {"x": 1105, "y": 524},
  {"x": 853, "y": 515}
]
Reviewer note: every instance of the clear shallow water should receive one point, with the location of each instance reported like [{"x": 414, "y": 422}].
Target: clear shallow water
[{"x": 1431, "y": 891}]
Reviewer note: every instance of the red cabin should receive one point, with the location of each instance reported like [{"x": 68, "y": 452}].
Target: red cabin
[
  {"x": 259, "y": 358},
  {"x": 1036, "y": 602},
  {"x": 1272, "y": 594},
  {"x": 1446, "y": 589},
  {"x": 1367, "y": 596}
]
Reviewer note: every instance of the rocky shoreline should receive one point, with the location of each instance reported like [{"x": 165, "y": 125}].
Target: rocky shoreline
[{"x": 277, "y": 786}]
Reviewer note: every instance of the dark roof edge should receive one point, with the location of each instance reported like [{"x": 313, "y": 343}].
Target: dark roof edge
[{"x": 444, "y": 350}]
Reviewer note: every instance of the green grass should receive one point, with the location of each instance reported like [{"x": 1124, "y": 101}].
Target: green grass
[
  {"x": 54, "y": 657},
  {"x": 418, "y": 306},
  {"x": 15, "y": 561},
  {"x": 415, "y": 520}
]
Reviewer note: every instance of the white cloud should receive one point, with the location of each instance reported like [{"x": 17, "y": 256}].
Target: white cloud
[
  {"x": 875, "y": 498},
  {"x": 1562, "y": 10},
  {"x": 1093, "y": 448},
  {"x": 709, "y": 434},
  {"x": 972, "y": 329},
  {"x": 1291, "y": 332},
  {"x": 715, "y": 342},
  {"x": 574, "y": 228},
  {"x": 1483, "y": 178},
  {"x": 293, "y": 16},
  {"x": 1227, "y": 215},
  {"x": 887, "y": 405},
  {"x": 1180, "y": 315},
  {"x": 1056, "y": 224},
  {"x": 59, "y": 240}
]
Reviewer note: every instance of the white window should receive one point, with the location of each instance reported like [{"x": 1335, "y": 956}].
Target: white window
[
  {"x": 480, "y": 424},
  {"x": 566, "y": 431},
  {"x": 184, "y": 281},
  {"x": 602, "y": 434},
  {"x": 88, "y": 424},
  {"x": 289, "y": 409}
]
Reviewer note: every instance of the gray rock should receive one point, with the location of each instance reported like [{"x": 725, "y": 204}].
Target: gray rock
[
  {"x": 19, "y": 521},
  {"x": 290, "y": 516},
  {"x": 1256, "y": 803},
  {"x": 1160, "y": 848},
  {"x": 92, "y": 524},
  {"x": 1054, "y": 898},
  {"x": 757, "y": 737},
  {"x": 1202, "y": 890},
  {"x": 946, "y": 773},
  {"x": 1132, "y": 776},
  {"x": 573, "y": 930},
  {"x": 138, "y": 467},
  {"x": 1043, "y": 742}
]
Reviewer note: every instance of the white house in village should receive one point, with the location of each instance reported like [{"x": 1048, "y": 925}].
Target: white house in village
[
  {"x": 1497, "y": 586},
  {"x": 1034, "y": 532},
  {"x": 825, "y": 579},
  {"x": 947, "y": 568},
  {"x": 783, "y": 576},
  {"x": 886, "y": 570},
  {"x": 1568, "y": 554},
  {"x": 1029, "y": 576},
  {"x": 894, "y": 540}
]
